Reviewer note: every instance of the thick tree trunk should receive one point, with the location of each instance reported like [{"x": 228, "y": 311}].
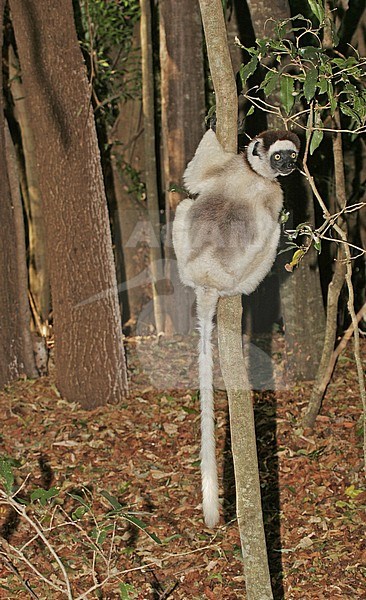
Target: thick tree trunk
[
  {"x": 182, "y": 115},
  {"x": 89, "y": 357},
  {"x": 263, "y": 13},
  {"x": 243, "y": 437}
]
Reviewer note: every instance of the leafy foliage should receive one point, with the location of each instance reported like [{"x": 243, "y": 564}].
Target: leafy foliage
[
  {"x": 51, "y": 521},
  {"x": 305, "y": 81},
  {"x": 106, "y": 39},
  {"x": 311, "y": 80},
  {"x": 6, "y": 474}
]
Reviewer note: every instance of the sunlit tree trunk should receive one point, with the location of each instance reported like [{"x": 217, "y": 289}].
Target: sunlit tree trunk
[
  {"x": 243, "y": 437},
  {"x": 182, "y": 115},
  {"x": 90, "y": 366}
]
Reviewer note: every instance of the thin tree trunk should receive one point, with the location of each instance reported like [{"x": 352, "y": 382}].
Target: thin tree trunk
[
  {"x": 322, "y": 379},
  {"x": 316, "y": 398},
  {"x": 328, "y": 372},
  {"x": 148, "y": 105},
  {"x": 24, "y": 314},
  {"x": 334, "y": 291},
  {"x": 243, "y": 438},
  {"x": 11, "y": 362},
  {"x": 127, "y": 155},
  {"x": 39, "y": 281},
  {"x": 89, "y": 357}
]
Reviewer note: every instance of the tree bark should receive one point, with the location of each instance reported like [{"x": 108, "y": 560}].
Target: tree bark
[
  {"x": 243, "y": 437},
  {"x": 322, "y": 378},
  {"x": 263, "y": 13},
  {"x": 127, "y": 153},
  {"x": 334, "y": 290},
  {"x": 301, "y": 296},
  {"x": 24, "y": 314},
  {"x": 39, "y": 281},
  {"x": 182, "y": 116},
  {"x": 89, "y": 357},
  {"x": 148, "y": 104},
  {"x": 11, "y": 360}
]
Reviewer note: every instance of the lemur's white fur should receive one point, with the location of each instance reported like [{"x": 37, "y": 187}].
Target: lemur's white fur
[{"x": 225, "y": 242}]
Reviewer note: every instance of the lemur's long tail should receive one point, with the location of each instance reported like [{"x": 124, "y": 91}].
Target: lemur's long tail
[{"x": 206, "y": 308}]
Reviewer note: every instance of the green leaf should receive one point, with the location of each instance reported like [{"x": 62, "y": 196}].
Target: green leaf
[
  {"x": 250, "y": 111},
  {"x": 352, "y": 492},
  {"x": 309, "y": 53},
  {"x": 247, "y": 70},
  {"x": 79, "y": 513},
  {"x": 44, "y": 495},
  {"x": 141, "y": 525},
  {"x": 345, "y": 63},
  {"x": 346, "y": 110},
  {"x": 6, "y": 474},
  {"x": 331, "y": 97},
  {"x": 323, "y": 85},
  {"x": 284, "y": 216},
  {"x": 217, "y": 576},
  {"x": 112, "y": 500},
  {"x": 127, "y": 591},
  {"x": 189, "y": 410},
  {"x": 310, "y": 84},
  {"x": 342, "y": 504},
  {"x": 286, "y": 93},
  {"x": 298, "y": 255},
  {"x": 317, "y": 9},
  {"x": 316, "y": 140},
  {"x": 335, "y": 36},
  {"x": 79, "y": 499},
  {"x": 270, "y": 82},
  {"x": 318, "y": 245},
  {"x": 102, "y": 537},
  {"x": 290, "y": 246}
]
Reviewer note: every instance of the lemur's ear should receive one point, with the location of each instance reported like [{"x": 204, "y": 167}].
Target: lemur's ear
[{"x": 255, "y": 149}]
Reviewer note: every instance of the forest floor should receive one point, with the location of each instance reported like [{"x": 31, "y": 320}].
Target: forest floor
[{"x": 116, "y": 490}]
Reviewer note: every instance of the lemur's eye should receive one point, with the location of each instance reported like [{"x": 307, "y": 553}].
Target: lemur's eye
[
  {"x": 293, "y": 154},
  {"x": 277, "y": 156}
]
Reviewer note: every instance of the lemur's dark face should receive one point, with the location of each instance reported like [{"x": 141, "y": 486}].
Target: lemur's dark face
[
  {"x": 274, "y": 153},
  {"x": 284, "y": 160}
]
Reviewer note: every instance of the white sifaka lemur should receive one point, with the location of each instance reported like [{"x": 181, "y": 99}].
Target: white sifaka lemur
[{"x": 225, "y": 242}]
